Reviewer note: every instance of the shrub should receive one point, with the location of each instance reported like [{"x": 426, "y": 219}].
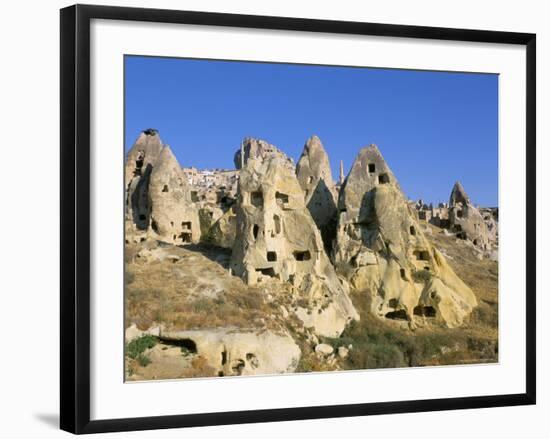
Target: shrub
[
  {"x": 143, "y": 360},
  {"x": 138, "y": 346}
]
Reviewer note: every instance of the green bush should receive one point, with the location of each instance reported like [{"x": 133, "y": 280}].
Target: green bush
[
  {"x": 143, "y": 360},
  {"x": 138, "y": 346}
]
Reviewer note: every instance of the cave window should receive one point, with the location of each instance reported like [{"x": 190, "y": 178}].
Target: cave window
[
  {"x": 194, "y": 196},
  {"x": 142, "y": 217},
  {"x": 397, "y": 315},
  {"x": 165, "y": 188},
  {"x": 257, "y": 199},
  {"x": 459, "y": 213},
  {"x": 424, "y": 311},
  {"x": 383, "y": 178},
  {"x": 392, "y": 303},
  {"x": 267, "y": 271},
  {"x": 403, "y": 274},
  {"x": 412, "y": 230},
  {"x": 281, "y": 199},
  {"x": 154, "y": 226},
  {"x": 310, "y": 179},
  {"x": 475, "y": 241},
  {"x": 186, "y": 344},
  {"x": 186, "y": 225},
  {"x": 185, "y": 237},
  {"x": 277, "y": 222},
  {"x": 139, "y": 163},
  {"x": 372, "y": 168},
  {"x": 422, "y": 215},
  {"x": 422, "y": 255},
  {"x": 255, "y": 230},
  {"x": 271, "y": 256},
  {"x": 302, "y": 255},
  {"x": 172, "y": 223},
  {"x": 238, "y": 366}
]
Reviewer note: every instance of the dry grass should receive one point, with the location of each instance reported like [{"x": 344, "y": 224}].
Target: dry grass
[{"x": 196, "y": 292}]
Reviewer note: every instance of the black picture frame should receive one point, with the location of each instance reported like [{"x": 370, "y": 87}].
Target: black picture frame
[{"x": 75, "y": 217}]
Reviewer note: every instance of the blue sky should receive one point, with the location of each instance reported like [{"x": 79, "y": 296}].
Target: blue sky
[{"x": 433, "y": 128}]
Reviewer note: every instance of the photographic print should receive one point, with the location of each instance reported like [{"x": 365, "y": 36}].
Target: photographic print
[{"x": 292, "y": 218}]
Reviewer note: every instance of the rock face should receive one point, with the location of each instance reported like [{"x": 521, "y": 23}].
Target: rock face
[
  {"x": 315, "y": 178},
  {"x": 139, "y": 165},
  {"x": 233, "y": 352},
  {"x": 381, "y": 249},
  {"x": 223, "y": 231},
  {"x": 158, "y": 201},
  {"x": 277, "y": 238},
  {"x": 258, "y": 149},
  {"x": 467, "y": 222},
  {"x": 174, "y": 218}
]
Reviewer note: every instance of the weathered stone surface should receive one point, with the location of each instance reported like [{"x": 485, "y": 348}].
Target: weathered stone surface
[
  {"x": 315, "y": 178},
  {"x": 239, "y": 352},
  {"x": 277, "y": 238},
  {"x": 381, "y": 249},
  {"x": 139, "y": 165},
  {"x": 467, "y": 222},
  {"x": 174, "y": 218},
  {"x": 223, "y": 231},
  {"x": 258, "y": 149}
]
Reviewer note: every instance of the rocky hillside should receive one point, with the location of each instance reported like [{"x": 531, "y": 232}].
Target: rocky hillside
[{"x": 289, "y": 272}]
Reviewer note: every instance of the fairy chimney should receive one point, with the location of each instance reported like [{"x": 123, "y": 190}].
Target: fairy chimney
[
  {"x": 315, "y": 178},
  {"x": 277, "y": 240},
  {"x": 174, "y": 218},
  {"x": 381, "y": 250}
]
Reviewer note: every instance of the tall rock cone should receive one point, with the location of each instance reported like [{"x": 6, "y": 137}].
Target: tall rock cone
[
  {"x": 467, "y": 222},
  {"x": 458, "y": 195},
  {"x": 315, "y": 178},
  {"x": 277, "y": 239},
  {"x": 139, "y": 165},
  {"x": 174, "y": 218},
  {"x": 382, "y": 250}
]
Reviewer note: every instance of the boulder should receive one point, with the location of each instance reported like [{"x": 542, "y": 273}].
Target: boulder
[
  {"x": 382, "y": 250},
  {"x": 315, "y": 178},
  {"x": 343, "y": 352},
  {"x": 241, "y": 352},
  {"x": 324, "y": 349},
  {"x": 277, "y": 239}
]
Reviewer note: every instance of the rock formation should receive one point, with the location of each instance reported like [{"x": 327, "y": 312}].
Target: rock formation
[
  {"x": 139, "y": 165},
  {"x": 223, "y": 231},
  {"x": 238, "y": 352},
  {"x": 258, "y": 149},
  {"x": 174, "y": 218},
  {"x": 467, "y": 222},
  {"x": 277, "y": 238},
  {"x": 315, "y": 178},
  {"x": 158, "y": 200},
  {"x": 381, "y": 249}
]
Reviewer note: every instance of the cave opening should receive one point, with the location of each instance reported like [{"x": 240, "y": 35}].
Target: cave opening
[{"x": 302, "y": 255}]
